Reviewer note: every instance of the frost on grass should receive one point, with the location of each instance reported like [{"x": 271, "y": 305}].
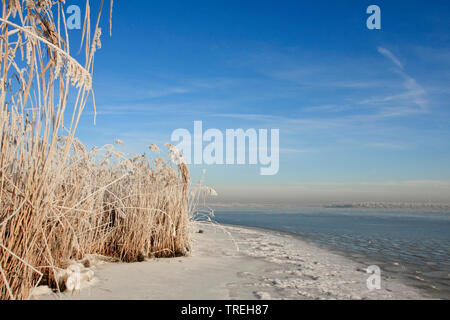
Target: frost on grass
[{"x": 60, "y": 202}]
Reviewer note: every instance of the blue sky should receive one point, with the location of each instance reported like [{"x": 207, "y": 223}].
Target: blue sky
[{"x": 363, "y": 114}]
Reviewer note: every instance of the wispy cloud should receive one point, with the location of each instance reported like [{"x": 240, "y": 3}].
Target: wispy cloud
[
  {"x": 403, "y": 103},
  {"x": 330, "y": 108},
  {"x": 163, "y": 92},
  {"x": 388, "y": 54},
  {"x": 386, "y": 145},
  {"x": 295, "y": 150}
]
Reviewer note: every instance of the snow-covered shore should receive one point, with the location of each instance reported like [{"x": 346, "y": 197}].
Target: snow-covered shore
[{"x": 267, "y": 265}]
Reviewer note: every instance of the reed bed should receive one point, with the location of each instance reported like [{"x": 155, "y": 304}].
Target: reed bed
[{"x": 58, "y": 201}]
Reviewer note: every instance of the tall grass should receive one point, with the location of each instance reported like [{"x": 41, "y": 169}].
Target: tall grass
[{"x": 58, "y": 201}]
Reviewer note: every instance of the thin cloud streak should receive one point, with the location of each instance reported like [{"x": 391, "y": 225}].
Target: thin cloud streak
[
  {"x": 164, "y": 92},
  {"x": 388, "y": 54}
]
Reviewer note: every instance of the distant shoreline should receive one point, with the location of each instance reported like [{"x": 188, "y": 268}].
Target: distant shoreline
[
  {"x": 344, "y": 205},
  {"x": 388, "y": 205}
]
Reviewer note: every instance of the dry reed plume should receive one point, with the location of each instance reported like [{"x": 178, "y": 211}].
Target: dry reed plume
[{"x": 58, "y": 201}]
